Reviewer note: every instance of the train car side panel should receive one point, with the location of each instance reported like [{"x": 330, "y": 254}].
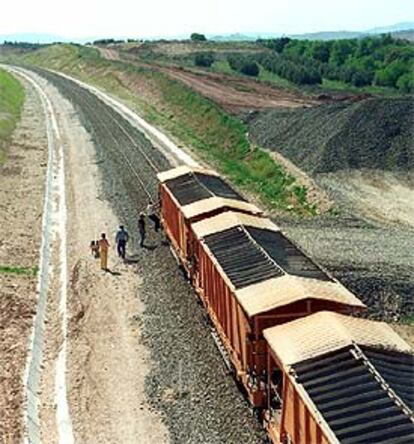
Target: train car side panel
[{"x": 171, "y": 219}]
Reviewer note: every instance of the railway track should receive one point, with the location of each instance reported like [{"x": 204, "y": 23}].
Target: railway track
[
  {"x": 114, "y": 134},
  {"x": 186, "y": 382}
]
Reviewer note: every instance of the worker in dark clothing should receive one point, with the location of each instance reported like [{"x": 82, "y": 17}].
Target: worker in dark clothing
[
  {"x": 152, "y": 210},
  {"x": 121, "y": 240},
  {"x": 141, "y": 228}
]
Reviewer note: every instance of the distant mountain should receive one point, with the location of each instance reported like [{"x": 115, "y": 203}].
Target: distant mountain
[
  {"x": 238, "y": 37},
  {"x": 329, "y": 35},
  {"x": 393, "y": 28},
  {"x": 41, "y": 38},
  {"x": 399, "y": 30}
]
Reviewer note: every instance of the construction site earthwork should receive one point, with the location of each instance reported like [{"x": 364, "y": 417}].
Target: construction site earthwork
[{"x": 274, "y": 304}]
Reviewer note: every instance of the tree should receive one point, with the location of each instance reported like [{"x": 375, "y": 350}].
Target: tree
[
  {"x": 279, "y": 44},
  {"x": 195, "y": 37},
  {"x": 361, "y": 78},
  {"x": 320, "y": 51},
  {"x": 391, "y": 73},
  {"x": 341, "y": 50}
]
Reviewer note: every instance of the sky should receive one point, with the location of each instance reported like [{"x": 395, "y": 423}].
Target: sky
[{"x": 138, "y": 18}]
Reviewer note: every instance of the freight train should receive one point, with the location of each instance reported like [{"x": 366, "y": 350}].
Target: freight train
[{"x": 313, "y": 371}]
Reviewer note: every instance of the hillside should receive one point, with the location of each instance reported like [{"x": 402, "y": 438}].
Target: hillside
[
  {"x": 184, "y": 114},
  {"x": 374, "y": 133}
]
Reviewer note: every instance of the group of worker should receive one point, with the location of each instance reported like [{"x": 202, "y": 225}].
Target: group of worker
[{"x": 100, "y": 247}]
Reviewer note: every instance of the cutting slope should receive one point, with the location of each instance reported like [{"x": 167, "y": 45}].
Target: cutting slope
[{"x": 374, "y": 133}]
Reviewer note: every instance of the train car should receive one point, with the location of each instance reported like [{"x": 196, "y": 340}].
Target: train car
[
  {"x": 250, "y": 277},
  {"x": 338, "y": 379},
  {"x": 189, "y": 195}
]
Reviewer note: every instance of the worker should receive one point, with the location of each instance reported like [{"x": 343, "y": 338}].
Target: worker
[
  {"x": 121, "y": 240},
  {"x": 141, "y": 228},
  {"x": 95, "y": 249},
  {"x": 103, "y": 251},
  {"x": 152, "y": 210}
]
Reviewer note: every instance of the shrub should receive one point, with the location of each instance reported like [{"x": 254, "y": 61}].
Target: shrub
[
  {"x": 243, "y": 65},
  {"x": 405, "y": 83},
  {"x": 250, "y": 69},
  {"x": 205, "y": 59}
]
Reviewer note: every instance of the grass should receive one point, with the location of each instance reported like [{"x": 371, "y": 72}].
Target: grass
[
  {"x": 11, "y": 102},
  {"x": 222, "y": 66},
  {"x": 271, "y": 77},
  {"x": 408, "y": 320},
  {"x": 27, "y": 271},
  {"x": 218, "y": 137},
  {"x": 335, "y": 85}
]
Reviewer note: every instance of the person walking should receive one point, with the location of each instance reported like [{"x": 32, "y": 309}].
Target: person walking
[
  {"x": 121, "y": 240},
  {"x": 152, "y": 210},
  {"x": 141, "y": 228},
  {"x": 95, "y": 249},
  {"x": 103, "y": 251}
]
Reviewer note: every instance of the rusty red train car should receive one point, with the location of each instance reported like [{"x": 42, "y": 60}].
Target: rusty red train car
[
  {"x": 250, "y": 277},
  {"x": 338, "y": 379},
  {"x": 189, "y": 195},
  {"x": 317, "y": 375}
]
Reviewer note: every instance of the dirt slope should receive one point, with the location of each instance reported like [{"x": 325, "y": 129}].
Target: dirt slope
[
  {"x": 374, "y": 133},
  {"x": 233, "y": 93}
]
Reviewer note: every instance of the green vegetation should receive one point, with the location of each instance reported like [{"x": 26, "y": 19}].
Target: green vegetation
[
  {"x": 28, "y": 271},
  {"x": 378, "y": 65},
  {"x": 220, "y": 138},
  {"x": 408, "y": 320},
  {"x": 204, "y": 59},
  {"x": 381, "y": 61},
  {"x": 298, "y": 71},
  {"x": 11, "y": 102},
  {"x": 244, "y": 65},
  {"x": 194, "y": 120},
  {"x": 108, "y": 41}
]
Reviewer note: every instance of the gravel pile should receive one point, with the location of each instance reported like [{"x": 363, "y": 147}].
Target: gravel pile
[
  {"x": 373, "y": 133},
  {"x": 189, "y": 382},
  {"x": 377, "y": 264}
]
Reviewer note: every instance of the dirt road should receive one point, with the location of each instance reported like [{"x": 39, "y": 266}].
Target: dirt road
[
  {"x": 106, "y": 365},
  {"x": 233, "y": 93}
]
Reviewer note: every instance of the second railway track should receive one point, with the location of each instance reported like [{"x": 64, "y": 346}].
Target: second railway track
[{"x": 112, "y": 133}]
